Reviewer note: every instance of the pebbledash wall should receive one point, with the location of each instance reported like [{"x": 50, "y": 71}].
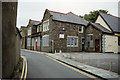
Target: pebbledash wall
[{"x": 58, "y": 35}]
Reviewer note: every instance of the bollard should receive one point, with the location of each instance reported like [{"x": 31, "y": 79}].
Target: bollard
[
  {"x": 55, "y": 51},
  {"x": 98, "y": 63},
  {"x": 110, "y": 66},
  {"x": 60, "y": 51}
]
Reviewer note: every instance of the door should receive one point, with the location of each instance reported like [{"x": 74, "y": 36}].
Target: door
[
  {"x": 97, "y": 45},
  {"x": 36, "y": 45}
]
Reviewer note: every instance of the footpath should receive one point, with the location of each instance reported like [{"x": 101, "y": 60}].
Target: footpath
[{"x": 71, "y": 60}]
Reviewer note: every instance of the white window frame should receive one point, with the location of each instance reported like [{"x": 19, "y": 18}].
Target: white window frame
[
  {"x": 38, "y": 42},
  {"x": 81, "y": 29},
  {"x": 29, "y": 31},
  {"x": 73, "y": 43},
  {"x": 42, "y": 40},
  {"x": 28, "y": 41},
  {"x": 46, "y": 25},
  {"x": 38, "y": 28}
]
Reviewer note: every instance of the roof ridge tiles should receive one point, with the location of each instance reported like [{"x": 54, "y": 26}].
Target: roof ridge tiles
[
  {"x": 57, "y": 12},
  {"x": 68, "y": 13},
  {"x": 35, "y": 20},
  {"x": 77, "y": 15}
]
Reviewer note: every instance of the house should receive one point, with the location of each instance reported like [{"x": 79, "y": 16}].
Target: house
[
  {"x": 34, "y": 35},
  {"x": 63, "y": 32},
  {"x": 104, "y": 34},
  {"x": 23, "y": 31}
]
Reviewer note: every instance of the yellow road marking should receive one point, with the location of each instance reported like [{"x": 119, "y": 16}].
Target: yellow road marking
[
  {"x": 23, "y": 67},
  {"x": 24, "y": 60},
  {"x": 75, "y": 69},
  {"x": 25, "y": 71}
]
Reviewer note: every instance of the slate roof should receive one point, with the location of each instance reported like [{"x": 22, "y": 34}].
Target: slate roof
[
  {"x": 112, "y": 21},
  {"x": 69, "y": 17},
  {"x": 100, "y": 27},
  {"x": 34, "y": 23}
]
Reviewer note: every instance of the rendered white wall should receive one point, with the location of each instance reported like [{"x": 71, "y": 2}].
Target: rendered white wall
[
  {"x": 111, "y": 44},
  {"x": 101, "y": 22}
]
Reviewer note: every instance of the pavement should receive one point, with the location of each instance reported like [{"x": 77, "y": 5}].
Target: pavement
[
  {"x": 44, "y": 67},
  {"x": 107, "y": 61},
  {"x": 70, "y": 60}
]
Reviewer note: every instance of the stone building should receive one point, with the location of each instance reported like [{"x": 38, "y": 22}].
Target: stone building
[
  {"x": 23, "y": 31},
  {"x": 63, "y": 32},
  {"x": 104, "y": 34},
  {"x": 34, "y": 35}
]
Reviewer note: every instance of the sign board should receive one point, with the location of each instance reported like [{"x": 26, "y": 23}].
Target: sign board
[
  {"x": 50, "y": 40},
  {"x": 61, "y": 35}
]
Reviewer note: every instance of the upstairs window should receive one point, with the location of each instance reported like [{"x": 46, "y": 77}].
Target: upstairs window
[
  {"x": 38, "y": 28},
  {"x": 46, "y": 25},
  {"x": 80, "y": 29},
  {"x": 29, "y": 31}
]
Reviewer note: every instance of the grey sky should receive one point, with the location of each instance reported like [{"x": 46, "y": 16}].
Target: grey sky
[{"x": 35, "y": 10}]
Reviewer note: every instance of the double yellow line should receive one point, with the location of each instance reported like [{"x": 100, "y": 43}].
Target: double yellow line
[
  {"x": 84, "y": 73},
  {"x": 24, "y": 69}
]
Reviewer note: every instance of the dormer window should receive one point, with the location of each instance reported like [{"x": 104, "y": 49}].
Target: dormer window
[
  {"x": 80, "y": 29},
  {"x": 46, "y": 25}
]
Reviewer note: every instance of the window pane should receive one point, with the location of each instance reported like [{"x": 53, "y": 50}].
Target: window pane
[
  {"x": 72, "y": 41},
  {"x": 45, "y": 40},
  {"x": 32, "y": 41},
  {"x": 38, "y": 41},
  {"x": 28, "y": 42},
  {"x": 75, "y": 41},
  {"x": 68, "y": 41}
]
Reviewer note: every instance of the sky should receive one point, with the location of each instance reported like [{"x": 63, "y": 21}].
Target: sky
[{"x": 34, "y": 9}]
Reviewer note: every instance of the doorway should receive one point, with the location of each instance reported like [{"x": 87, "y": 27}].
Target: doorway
[{"x": 97, "y": 45}]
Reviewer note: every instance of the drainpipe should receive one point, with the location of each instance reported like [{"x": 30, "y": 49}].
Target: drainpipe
[{"x": 85, "y": 37}]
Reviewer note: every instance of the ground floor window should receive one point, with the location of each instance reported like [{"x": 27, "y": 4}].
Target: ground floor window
[
  {"x": 90, "y": 40},
  {"x": 38, "y": 41},
  {"x": 72, "y": 41},
  {"x": 45, "y": 40},
  {"x": 28, "y": 41},
  {"x": 32, "y": 41}
]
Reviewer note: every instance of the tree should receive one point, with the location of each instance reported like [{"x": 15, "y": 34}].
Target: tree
[{"x": 92, "y": 15}]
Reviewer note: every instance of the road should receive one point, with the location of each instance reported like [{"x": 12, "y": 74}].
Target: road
[{"x": 41, "y": 66}]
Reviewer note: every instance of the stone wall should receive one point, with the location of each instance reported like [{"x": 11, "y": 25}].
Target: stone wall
[
  {"x": 9, "y": 15},
  {"x": 56, "y": 28},
  {"x": 96, "y": 35},
  {"x": 69, "y": 30}
]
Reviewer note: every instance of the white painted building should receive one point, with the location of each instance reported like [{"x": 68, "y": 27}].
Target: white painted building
[{"x": 110, "y": 43}]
